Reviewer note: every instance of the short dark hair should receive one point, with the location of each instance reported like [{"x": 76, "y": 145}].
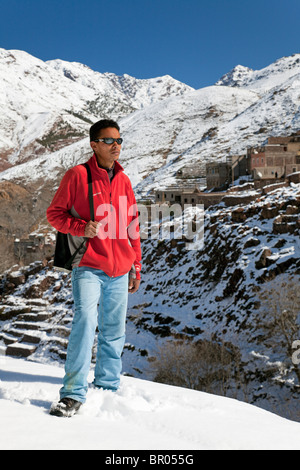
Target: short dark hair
[{"x": 103, "y": 124}]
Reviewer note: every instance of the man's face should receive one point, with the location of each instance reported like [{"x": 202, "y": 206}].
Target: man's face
[{"x": 107, "y": 154}]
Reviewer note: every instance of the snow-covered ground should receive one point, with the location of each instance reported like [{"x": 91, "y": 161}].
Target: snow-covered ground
[{"x": 142, "y": 415}]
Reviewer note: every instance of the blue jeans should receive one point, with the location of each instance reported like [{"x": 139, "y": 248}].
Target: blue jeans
[{"x": 90, "y": 288}]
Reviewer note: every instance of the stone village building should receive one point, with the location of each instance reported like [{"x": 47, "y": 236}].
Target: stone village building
[
  {"x": 277, "y": 161},
  {"x": 34, "y": 248},
  {"x": 220, "y": 175}
]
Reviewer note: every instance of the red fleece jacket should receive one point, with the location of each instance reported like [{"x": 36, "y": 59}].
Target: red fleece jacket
[{"x": 117, "y": 247}]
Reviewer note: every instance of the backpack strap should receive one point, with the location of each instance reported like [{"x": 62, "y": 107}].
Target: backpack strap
[
  {"x": 62, "y": 242},
  {"x": 90, "y": 183}
]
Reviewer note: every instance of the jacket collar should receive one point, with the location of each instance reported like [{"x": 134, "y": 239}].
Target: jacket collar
[{"x": 95, "y": 167}]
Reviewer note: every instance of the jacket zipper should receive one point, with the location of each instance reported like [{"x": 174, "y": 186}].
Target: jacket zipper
[{"x": 111, "y": 208}]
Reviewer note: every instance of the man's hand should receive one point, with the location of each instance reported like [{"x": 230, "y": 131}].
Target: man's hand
[
  {"x": 91, "y": 229},
  {"x": 133, "y": 285}
]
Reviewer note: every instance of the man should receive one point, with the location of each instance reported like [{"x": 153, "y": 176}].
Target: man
[{"x": 101, "y": 268}]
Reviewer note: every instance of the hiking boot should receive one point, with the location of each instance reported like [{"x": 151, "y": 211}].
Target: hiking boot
[{"x": 65, "y": 407}]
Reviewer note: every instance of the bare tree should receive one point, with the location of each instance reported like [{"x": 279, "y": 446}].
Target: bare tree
[
  {"x": 280, "y": 317},
  {"x": 205, "y": 365}
]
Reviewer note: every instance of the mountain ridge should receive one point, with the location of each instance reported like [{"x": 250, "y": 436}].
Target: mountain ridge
[
  {"x": 264, "y": 79},
  {"x": 190, "y": 127},
  {"x": 43, "y": 109}
]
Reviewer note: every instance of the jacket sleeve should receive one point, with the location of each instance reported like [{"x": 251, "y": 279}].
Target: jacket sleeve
[
  {"x": 58, "y": 213},
  {"x": 134, "y": 237}
]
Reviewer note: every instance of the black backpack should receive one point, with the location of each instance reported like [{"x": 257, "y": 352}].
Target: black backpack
[{"x": 62, "y": 256}]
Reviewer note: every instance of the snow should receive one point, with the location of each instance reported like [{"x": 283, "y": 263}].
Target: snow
[{"x": 141, "y": 415}]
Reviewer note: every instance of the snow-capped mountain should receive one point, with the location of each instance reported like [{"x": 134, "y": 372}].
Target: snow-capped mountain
[
  {"x": 48, "y": 105},
  {"x": 265, "y": 79},
  {"x": 136, "y": 93},
  {"x": 216, "y": 122},
  {"x": 164, "y": 134},
  {"x": 236, "y": 77},
  {"x": 157, "y": 139}
]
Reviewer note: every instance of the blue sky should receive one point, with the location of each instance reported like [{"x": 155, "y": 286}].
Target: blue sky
[{"x": 194, "y": 41}]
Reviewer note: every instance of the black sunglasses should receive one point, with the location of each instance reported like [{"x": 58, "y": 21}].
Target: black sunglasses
[{"x": 110, "y": 140}]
